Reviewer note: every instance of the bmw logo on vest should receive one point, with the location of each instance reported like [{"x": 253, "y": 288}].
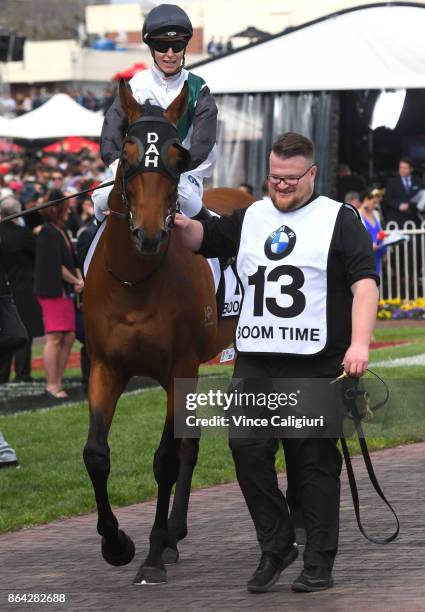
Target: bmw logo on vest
[{"x": 280, "y": 243}]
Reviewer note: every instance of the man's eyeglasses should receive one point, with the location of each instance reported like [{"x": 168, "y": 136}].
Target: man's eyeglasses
[
  {"x": 163, "y": 45},
  {"x": 291, "y": 181}
]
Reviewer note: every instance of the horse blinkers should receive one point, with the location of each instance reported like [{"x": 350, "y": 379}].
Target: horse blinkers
[{"x": 152, "y": 143}]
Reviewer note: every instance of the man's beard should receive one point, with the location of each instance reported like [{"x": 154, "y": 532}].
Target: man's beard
[{"x": 293, "y": 204}]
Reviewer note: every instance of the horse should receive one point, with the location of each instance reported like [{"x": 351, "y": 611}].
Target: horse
[{"x": 149, "y": 309}]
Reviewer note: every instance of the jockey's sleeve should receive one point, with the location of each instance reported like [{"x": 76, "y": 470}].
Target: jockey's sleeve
[
  {"x": 204, "y": 124},
  {"x": 222, "y": 235},
  {"x": 111, "y": 138}
]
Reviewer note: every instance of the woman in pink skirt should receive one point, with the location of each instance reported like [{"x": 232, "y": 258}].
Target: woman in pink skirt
[{"x": 56, "y": 278}]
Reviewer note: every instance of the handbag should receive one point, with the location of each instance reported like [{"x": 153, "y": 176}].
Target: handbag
[{"x": 13, "y": 333}]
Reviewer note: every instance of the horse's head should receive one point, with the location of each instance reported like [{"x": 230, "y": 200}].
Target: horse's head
[{"x": 152, "y": 160}]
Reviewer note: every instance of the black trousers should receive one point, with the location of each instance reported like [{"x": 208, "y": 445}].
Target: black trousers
[
  {"x": 22, "y": 359},
  {"x": 313, "y": 468}
]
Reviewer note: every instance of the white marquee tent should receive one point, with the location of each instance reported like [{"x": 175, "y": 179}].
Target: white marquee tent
[
  {"x": 372, "y": 47},
  {"x": 59, "y": 117},
  {"x": 296, "y": 81}
]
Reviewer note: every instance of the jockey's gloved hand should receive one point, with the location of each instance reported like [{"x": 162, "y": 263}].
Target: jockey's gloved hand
[{"x": 100, "y": 196}]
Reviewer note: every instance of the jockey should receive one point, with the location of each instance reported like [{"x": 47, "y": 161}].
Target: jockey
[{"x": 167, "y": 30}]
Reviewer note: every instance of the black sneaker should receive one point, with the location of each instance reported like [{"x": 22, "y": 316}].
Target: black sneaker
[
  {"x": 300, "y": 536},
  {"x": 269, "y": 570},
  {"x": 9, "y": 464},
  {"x": 313, "y": 579}
]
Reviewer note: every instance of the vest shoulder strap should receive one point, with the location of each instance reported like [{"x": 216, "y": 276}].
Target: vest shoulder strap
[{"x": 353, "y": 210}]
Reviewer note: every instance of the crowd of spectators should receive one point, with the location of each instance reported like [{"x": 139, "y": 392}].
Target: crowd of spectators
[
  {"x": 14, "y": 105},
  {"x": 219, "y": 47},
  {"x": 32, "y": 245}
]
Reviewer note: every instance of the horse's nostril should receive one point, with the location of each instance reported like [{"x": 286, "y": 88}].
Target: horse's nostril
[
  {"x": 148, "y": 243},
  {"x": 139, "y": 234}
]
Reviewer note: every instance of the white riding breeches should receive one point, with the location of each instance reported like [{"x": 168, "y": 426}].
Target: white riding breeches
[{"x": 190, "y": 190}]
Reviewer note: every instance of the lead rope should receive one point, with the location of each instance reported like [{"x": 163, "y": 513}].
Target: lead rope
[{"x": 369, "y": 467}]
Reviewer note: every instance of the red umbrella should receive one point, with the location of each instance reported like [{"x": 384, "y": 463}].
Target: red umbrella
[
  {"x": 9, "y": 147},
  {"x": 129, "y": 72},
  {"x": 72, "y": 144}
]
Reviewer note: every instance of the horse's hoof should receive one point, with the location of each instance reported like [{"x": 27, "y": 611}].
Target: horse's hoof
[
  {"x": 150, "y": 575},
  {"x": 121, "y": 552},
  {"x": 170, "y": 556}
]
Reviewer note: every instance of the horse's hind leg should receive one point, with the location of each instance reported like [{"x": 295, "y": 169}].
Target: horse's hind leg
[
  {"x": 105, "y": 387},
  {"x": 166, "y": 468},
  {"x": 177, "y": 522}
]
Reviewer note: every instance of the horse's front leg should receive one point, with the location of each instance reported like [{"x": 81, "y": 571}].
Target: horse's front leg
[
  {"x": 166, "y": 468},
  {"x": 177, "y": 522},
  {"x": 105, "y": 387}
]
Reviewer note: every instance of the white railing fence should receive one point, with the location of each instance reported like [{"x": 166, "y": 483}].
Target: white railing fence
[{"x": 403, "y": 267}]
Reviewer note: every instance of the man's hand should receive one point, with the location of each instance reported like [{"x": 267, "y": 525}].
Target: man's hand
[
  {"x": 364, "y": 309},
  {"x": 356, "y": 360},
  {"x": 404, "y": 207},
  {"x": 191, "y": 232},
  {"x": 181, "y": 221},
  {"x": 78, "y": 287}
]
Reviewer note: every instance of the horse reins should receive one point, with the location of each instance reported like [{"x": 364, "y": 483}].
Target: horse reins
[{"x": 23, "y": 213}]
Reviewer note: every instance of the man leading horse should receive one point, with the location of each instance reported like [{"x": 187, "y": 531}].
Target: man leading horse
[{"x": 304, "y": 261}]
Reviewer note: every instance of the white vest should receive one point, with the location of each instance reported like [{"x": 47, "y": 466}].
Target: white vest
[{"x": 282, "y": 264}]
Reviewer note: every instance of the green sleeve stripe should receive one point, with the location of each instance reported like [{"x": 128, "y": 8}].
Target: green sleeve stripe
[{"x": 196, "y": 84}]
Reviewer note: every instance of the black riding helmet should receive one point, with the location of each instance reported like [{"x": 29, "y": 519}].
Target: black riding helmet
[
  {"x": 167, "y": 25},
  {"x": 167, "y": 21}
]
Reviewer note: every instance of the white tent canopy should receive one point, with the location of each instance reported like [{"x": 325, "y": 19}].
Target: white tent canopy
[
  {"x": 59, "y": 117},
  {"x": 375, "y": 47},
  {"x": 4, "y": 124}
]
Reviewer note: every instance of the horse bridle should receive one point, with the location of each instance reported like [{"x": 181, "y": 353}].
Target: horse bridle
[{"x": 164, "y": 168}]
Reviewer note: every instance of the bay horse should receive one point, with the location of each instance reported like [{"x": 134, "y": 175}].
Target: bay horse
[{"x": 150, "y": 310}]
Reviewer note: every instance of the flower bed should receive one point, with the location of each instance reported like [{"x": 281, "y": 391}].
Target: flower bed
[{"x": 401, "y": 309}]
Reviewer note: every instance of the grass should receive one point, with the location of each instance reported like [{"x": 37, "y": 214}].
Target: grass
[
  {"x": 400, "y": 333},
  {"x": 53, "y": 482}
]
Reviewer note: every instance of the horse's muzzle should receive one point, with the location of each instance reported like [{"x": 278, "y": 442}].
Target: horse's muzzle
[{"x": 147, "y": 245}]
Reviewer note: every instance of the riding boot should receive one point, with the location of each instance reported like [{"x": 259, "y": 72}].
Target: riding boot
[{"x": 203, "y": 215}]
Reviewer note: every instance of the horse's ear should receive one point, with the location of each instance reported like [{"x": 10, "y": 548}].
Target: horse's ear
[
  {"x": 128, "y": 103},
  {"x": 178, "y": 106}
]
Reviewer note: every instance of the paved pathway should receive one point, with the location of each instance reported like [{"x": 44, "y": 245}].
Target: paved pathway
[{"x": 221, "y": 552}]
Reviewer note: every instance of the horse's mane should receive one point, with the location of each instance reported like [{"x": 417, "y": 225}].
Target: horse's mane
[{"x": 145, "y": 109}]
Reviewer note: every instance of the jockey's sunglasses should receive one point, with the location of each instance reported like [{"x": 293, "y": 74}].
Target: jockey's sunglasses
[{"x": 163, "y": 45}]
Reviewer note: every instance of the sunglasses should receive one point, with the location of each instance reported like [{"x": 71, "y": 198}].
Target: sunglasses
[{"x": 163, "y": 45}]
